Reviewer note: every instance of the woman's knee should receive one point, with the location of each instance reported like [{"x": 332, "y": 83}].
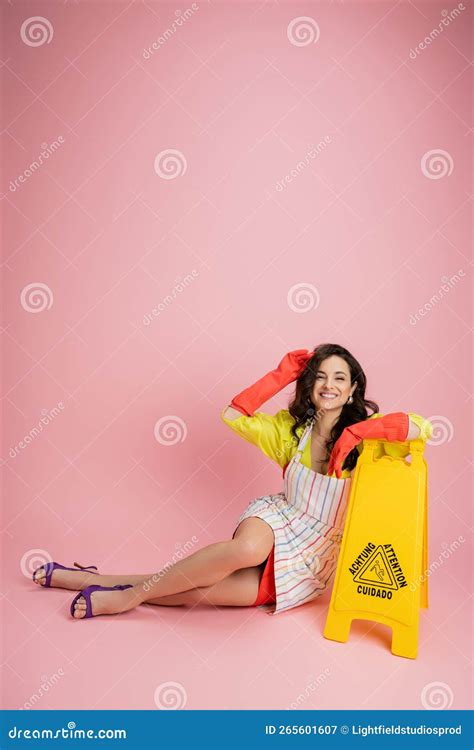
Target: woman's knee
[
  {"x": 250, "y": 550},
  {"x": 254, "y": 539}
]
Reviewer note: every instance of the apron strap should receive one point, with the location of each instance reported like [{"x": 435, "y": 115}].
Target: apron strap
[{"x": 304, "y": 438}]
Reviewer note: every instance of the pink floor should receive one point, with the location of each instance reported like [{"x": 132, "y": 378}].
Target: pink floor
[
  {"x": 224, "y": 658},
  {"x": 366, "y": 234},
  {"x": 216, "y": 657}
]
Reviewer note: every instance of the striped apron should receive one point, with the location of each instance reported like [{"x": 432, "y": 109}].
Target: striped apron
[{"x": 308, "y": 521}]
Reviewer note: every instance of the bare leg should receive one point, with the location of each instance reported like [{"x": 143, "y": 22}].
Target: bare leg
[
  {"x": 239, "y": 589},
  {"x": 251, "y": 545}
]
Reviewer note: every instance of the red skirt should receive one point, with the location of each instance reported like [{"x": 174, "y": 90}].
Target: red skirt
[{"x": 266, "y": 589}]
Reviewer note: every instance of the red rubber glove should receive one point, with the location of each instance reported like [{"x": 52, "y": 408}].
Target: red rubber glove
[
  {"x": 390, "y": 427},
  {"x": 288, "y": 370}
]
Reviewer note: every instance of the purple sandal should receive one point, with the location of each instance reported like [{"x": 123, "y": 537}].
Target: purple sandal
[
  {"x": 50, "y": 567},
  {"x": 86, "y": 593}
]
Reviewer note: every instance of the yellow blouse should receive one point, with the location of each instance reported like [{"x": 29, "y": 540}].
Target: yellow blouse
[{"x": 272, "y": 435}]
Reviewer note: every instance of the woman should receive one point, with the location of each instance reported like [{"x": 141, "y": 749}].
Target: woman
[{"x": 284, "y": 549}]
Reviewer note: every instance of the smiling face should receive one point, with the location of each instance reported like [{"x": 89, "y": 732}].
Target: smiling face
[{"x": 332, "y": 386}]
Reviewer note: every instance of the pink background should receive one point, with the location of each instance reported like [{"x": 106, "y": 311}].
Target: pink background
[{"x": 361, "y": 222}]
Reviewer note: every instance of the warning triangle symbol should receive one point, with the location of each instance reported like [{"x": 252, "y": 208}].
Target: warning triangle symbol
[{"x": 377, "y": 571}]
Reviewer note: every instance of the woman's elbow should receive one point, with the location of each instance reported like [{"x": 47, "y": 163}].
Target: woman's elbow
[
  {"x": 413, "y": 430},
  {"x": 229, "y": 413},
  {"x": 419, "y": 427}
]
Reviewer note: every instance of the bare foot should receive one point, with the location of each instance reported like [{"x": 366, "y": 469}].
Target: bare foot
[
  {"x": 74, "y": 580},
  {"x": 109, "y": 602}
]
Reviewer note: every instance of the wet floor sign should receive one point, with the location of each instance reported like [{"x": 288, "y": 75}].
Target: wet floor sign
[{"x": 384, "y": 549}]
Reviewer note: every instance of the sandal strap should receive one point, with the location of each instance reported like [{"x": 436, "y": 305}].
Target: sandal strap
[{"x": 84, "y": 567}]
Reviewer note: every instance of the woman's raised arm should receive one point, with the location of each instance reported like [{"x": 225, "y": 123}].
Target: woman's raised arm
[
  {"x": 270, "y": 433},
  {"x": 288, "y": 370}
]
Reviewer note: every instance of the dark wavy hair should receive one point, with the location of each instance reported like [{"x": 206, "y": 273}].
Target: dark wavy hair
[{"x": 351, "y": 413}]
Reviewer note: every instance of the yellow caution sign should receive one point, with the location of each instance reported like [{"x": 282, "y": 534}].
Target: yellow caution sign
[{"x": 384, "y": 549}]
